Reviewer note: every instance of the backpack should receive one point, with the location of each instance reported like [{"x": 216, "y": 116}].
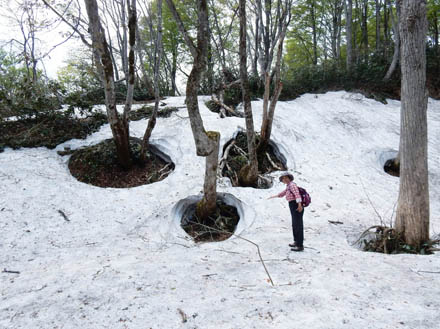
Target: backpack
[{"x": 306, "y": 199}]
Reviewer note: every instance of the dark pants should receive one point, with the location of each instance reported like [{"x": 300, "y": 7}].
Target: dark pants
[{"x": 297, "y": 223}]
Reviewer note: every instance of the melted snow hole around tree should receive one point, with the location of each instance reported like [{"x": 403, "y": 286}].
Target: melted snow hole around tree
[
  {"x": 98, "y": 165},
  {"x": 387, "y": 162},
  {"x": 235, "y": 157},
  {"x": 218, "y": 227}
]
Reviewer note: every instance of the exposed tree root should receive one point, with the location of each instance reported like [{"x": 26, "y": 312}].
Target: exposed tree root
[
  {"x": 235, "y": 158},
  {"x": 387, "y": 240}
]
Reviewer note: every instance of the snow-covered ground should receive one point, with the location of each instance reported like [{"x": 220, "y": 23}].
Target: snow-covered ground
[{"x": 122, "y": 260}]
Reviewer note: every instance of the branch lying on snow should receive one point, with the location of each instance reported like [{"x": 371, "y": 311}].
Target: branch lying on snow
[
  {"x": 64, "y": 215},
  {"x": 240, "y": 237},
  {"x": 183, "y": 315},
  {"x": 10, "y": 272},
  {"x": 227, "y": 108},
  {"x": 336, "y": 222}
]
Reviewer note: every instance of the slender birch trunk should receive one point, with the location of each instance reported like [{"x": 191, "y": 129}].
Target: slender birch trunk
[{"x": 157, "y": 60}]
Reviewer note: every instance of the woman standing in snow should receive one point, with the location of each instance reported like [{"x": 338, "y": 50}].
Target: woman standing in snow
[{"x": 296, "y": 210}]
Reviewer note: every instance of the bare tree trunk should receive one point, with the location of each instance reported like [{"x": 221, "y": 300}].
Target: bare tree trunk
[
  {"x": 336, "y": 28},
  {"x": 266, "y": 126},
  {"x": 207, "y": 143},
  {"x": 365, "y": 29},
  {"x": 349, "y": 33},
  {"x": 118, "y": 126},
  {"x": 209, "y": 202},
  {"x": 173, "y": 72},
  {"x": 145, "y": 79},
  {"x": 130, "y": 74},
  {"x": 282, "y": 21},
  {"x": 124, "y": 46},
  {"x": 249, "y": 174},
  {"x": 356, "y": 44},
  {"x": 257, "y": 42},
  {"x": 339, "y": 35},
  {"x": 157, "y": 60},
  {"x": 397, "y": 45},
  {"x": 377, "y": 26},
  {"x": 314, "y": 32},
  {"x": 386, "y": 42},
  {"x": 412, "y": 219}
]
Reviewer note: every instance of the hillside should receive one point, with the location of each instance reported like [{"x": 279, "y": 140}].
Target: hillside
[{"x": 121, "y": 260}]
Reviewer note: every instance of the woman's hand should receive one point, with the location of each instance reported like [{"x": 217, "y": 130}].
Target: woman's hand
[
  {"x": 272, "y": 197},
  {"x": 300, "y": 207}
]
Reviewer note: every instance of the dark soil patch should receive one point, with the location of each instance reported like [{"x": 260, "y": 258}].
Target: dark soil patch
[
  {"x": 48, "y": 131},
  {"x": 218, "y": 227},
  {"x": 97, "y": 165},
  {"x": 146, "y": 111},
  {"x": 238, "y": 158},
  {"x": 386, "y": 240},
  {"x": 391, "y": 168}
]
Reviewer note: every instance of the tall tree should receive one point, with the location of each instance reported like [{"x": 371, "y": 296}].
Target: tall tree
[
  {"x": 274, "y": 32},
  {"x": 378, "y": 43},
  {"x": 397, "y": 42},
  {"x": 348, "y": 5},
  {"x": 249, "y": 173},
  {"x": 118, "y": 122},
  {"x": 412, "y": 219},
  {"x": 312, "y": 4},
  {"x": 207, "y": 143},
  {"x": 157, "y": 59},
  {"x": 364, "y": 28}
]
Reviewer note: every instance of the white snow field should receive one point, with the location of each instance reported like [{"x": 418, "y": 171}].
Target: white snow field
[{"x": 122, "y": 260}]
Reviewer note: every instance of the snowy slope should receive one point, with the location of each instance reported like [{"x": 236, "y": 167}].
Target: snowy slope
[{"x": 122, "y": 261}]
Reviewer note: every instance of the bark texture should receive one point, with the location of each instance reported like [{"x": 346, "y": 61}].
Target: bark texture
[
  {"x": 412, "y": 219},
  {"x": 349, "y": 32},
  {"x": 207, "y": 143},
  {"x": 249, "y": 173},
  {"x": 208, "y": 204},
  {"x": 157, "y": 60},
  {"x": 118, "y": 125}
]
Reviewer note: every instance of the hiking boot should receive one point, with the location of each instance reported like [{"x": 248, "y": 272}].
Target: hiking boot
[
  {"x": 293, "y": 245},
  {"x": 297, "y": 248}
]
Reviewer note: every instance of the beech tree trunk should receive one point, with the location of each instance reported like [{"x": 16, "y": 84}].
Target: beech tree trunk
[
  {"x": 118, "y": 124},
  {"x": 349, "y": 32},
  {"x": 365, "y": 29},
  {"x": 412, "y": 219},
  {"x": 249, "y": 174},
  {"x": 314, "y": 32},
  {"x": 207, "y": 143},
  {"x": 377, "y": 26},
  {"x": 386, "y": 43}
]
